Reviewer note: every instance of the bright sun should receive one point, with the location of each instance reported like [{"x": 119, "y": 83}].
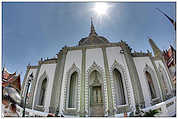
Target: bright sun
[{"x": 101, "y": 8}]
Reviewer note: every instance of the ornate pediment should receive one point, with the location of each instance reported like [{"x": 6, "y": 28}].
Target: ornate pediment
[
  {"x": 96, "y": 67},
  {"x": 72, "y": 69}
]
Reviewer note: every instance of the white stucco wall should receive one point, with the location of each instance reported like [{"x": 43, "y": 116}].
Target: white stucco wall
[
  {"x": 140, "y": 63},
  {"x": 113, "y": 54},
  {"x": 94, "y": 55},
  {"x": 72, "y": 57},
  {"x": 159, "y": 62},
  {"x": 25, "y": 84},
  {"x": 50, "y": 72}
]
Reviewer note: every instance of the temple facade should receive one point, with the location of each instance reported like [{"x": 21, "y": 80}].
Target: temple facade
[{"x": 98, "y": 78}]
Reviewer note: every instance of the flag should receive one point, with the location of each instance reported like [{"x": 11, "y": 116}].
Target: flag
[
  {"x": 171, "y": 20},
  {"x": 170, "y": 53}
]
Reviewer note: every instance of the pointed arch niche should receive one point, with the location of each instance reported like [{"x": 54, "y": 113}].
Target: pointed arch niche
[
  {"x": 120, "y": 87},
  {"x": 41, "y": 90},
  {"x": 71, "y": 94},
  {"x": 152, "y": 85},
  {"x": 165, "y": 81},
  {"x": 95, "y": 91},
  {"x": 72, "y": 90}
]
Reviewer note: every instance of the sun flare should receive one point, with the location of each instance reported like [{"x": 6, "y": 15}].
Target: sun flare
[{"x": 101, "y": 8}]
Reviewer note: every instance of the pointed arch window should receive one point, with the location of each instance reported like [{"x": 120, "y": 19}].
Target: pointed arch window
[
  {"x": 72, "y": 90},
  {"x": 42, "y": 92},
  {"x": 119, "y": 88},
  {"x": 164, "y": 83},
  {"x": 151, "y": 85},
  {"x": 29, "y": 94}
]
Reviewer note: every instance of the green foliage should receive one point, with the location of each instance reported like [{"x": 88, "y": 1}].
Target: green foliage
[
  {"x": 140, "y": 113},
  {"x": 151, "y": 113},
  {"x": 131, "y": 114}
]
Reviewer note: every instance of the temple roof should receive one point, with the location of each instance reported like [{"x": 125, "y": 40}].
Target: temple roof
[
  {"x": 10, "y": 79},
  {"x": 93, "y": 38}
]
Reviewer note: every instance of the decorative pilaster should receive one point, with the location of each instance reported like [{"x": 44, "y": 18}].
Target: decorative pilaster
[
  {"x": 82, "y": 90},
  {"x": 137, "y": 89},
  {"x": 57, "y": 83},
  {"x": 109, "y": 89}
]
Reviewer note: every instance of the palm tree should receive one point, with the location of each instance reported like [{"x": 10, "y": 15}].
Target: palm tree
[{"x": 151, "y": 113}]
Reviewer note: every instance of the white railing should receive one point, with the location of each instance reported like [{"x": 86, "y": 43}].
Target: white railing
[
  {"x": 30, "y": 112},
  {"x": 167, "y": 108}
]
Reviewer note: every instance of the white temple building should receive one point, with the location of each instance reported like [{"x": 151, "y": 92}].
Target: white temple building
[{"x": 100, "y": 78}]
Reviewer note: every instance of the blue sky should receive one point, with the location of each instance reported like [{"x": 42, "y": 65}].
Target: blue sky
[{"x": 39, "y": 30}]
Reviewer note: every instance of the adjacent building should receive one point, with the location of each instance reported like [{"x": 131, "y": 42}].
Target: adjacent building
[
  {"x": 9, "y": 79},
  {"x": 170, "y": 59}
]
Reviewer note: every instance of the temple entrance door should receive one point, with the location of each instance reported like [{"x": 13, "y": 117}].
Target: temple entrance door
[{"x": 96, "y": 102}]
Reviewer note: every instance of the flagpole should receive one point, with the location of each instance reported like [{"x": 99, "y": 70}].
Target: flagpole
[{"x": 171, "y": 20}]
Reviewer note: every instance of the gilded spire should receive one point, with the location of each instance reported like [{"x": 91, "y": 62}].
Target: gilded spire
[
  {"x": 156, "y": 50},
  {"x": 92, "y": 32}
]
